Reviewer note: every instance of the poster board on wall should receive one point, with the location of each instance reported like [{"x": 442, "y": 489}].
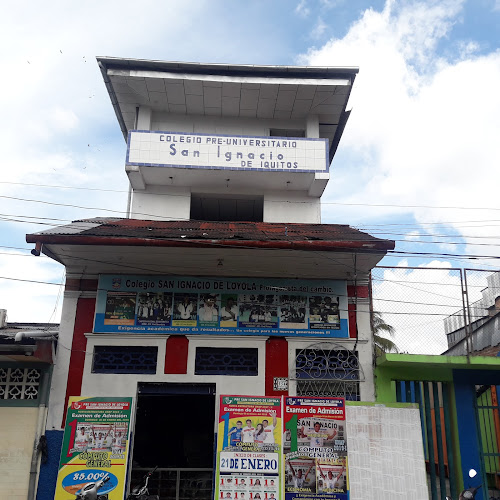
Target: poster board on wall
[
  {"x": 386, "y": 454},
  {"x": 95, "y": 447},
  {"x": 315, "y": 449},
  {"x": 249, "y": 449},
  {"x": 221, "y": 306}
]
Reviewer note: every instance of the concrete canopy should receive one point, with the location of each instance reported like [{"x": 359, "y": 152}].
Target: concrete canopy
[{"x": 281, "y": 92}]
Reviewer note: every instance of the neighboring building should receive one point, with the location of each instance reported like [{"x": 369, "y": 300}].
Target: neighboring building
[
  {"x": 460, "y": 415},
  {"x": 483, "y": 324},
  {"x": 26, "y": 358},
  {"x": 223, "y": 279}
]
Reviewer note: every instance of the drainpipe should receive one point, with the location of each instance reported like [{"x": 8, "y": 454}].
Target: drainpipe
[{"x": 40, "y": 426}]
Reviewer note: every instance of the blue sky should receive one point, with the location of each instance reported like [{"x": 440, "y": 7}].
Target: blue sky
[{"x": 424, "y": 129}]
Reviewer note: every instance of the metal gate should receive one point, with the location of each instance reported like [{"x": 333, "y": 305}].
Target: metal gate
[
  {"x": 488, "y": 420},
  {"x": 433, "y": 401}
]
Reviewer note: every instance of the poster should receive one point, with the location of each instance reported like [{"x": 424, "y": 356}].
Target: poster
[
  {"x": 242, "y": 306},
  {"x": 314, "y": 447},
  {"x": 249, "y": 449},
  {"x": 95, "y": 447}
]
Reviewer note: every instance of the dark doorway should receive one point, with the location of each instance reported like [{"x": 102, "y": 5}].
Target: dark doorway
[{"x": 174, "y": 430}]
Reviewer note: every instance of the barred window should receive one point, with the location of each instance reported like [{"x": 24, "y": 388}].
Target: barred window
[
  {"x": 226, "y": 361},
  {"x": 326, "y": 369},
  {"x": 20, "y": 383},
  {"x": 125, "y": 359}
]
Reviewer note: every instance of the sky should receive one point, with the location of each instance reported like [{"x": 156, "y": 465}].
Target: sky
[{"x": 418, "y": 161}]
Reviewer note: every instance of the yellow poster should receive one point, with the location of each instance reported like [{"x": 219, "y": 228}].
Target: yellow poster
[{"x": 95, "y": 448}]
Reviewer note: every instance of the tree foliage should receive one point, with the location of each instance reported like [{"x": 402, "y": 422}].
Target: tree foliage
[{"x": 380, "y": 327}]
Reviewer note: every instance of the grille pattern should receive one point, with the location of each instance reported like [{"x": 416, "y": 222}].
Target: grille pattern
[
  {"x": 327, "y": 369},
  {"x": 19, "y": 383},
  {"x": 226, "y": 361},
  {"x": 125, "y": 359}
]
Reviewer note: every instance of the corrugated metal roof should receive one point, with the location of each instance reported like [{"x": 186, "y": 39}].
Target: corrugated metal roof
[{"x": 202, "y": 230}]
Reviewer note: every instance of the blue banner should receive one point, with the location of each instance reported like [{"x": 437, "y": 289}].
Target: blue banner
[{"x": 243, "y": 306}]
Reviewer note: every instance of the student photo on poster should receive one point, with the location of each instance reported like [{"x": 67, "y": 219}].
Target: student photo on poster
[
  {"x": 120, "y": 308},
  {"x": 300, "y": 475},
  {"x": 229, "y": 311},
  {"x": 318, "y": 434},
  {"x": 293, "y": 309},
  {"x": 154, "y": 308},
  {"x": 331, "y": 476},
  {"x": 324, "y": 312},
  {"x": 185, "y": 311},
  {"x": 208, "y": 309}
]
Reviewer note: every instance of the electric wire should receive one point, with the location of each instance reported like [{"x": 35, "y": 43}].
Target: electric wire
[{"x": 383, "y": 205}]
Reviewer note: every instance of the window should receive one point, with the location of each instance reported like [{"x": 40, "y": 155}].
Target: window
[
  {"x": 281, "y": 132},
  {"x": 125, "y": 359},
  {"x": 226, "y": 361},
  {"x": 327, "y": 370},
  {"x": 218, "y": 208}
]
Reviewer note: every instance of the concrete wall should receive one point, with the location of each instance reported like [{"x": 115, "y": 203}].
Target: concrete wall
[
  {"x": 291, "y": 206},
  {"x": 221, "y": 125},
  {"x": 17, "y": 438},
  {"x": 288, "y": 203},
  {"x": 99, "y": 384}
]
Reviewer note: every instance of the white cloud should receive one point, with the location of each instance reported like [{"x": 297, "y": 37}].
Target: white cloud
[
  {"x": 330, "y": 4},
  {"x": 496, "y": 6},
  {"x": 319, "y": 29},
  {"x": 63, "y": 119},
  {"x": 302, "y": 9},
  {"x": 25, "y": 301},
  {"x": 424, "y": 129}
]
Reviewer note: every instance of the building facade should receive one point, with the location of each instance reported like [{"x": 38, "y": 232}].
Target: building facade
[{"x": 221, "y": 279}]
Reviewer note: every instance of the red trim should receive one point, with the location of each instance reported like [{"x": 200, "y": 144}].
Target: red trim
[
  {"x": 81, "y": 284},
  {"x": 362, "y": 291},
  {"x": 311, "y": 245},
  {"x": 276, "y": 364},
  {"x": 43, "y": 351},
  {"x": 351, "y": 311},
  {"x": 176, "y": 355},
  {"x": 84, "y": 320}
]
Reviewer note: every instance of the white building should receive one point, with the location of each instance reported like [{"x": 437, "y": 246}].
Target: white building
[{"x": 227, "y": 165}]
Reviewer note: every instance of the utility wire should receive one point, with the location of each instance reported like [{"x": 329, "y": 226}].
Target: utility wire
[{"x": 384, "y": 205}]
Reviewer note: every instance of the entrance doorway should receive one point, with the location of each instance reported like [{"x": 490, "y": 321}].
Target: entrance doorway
[{"x": 174, "y": 430}]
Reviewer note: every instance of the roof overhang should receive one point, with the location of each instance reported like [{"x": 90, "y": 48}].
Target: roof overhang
[{"x": 244, "y": 91}]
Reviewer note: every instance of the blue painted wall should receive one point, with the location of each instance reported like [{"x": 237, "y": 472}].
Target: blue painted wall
[
  {"x": 468, "y": 431},
  {"x": 48, "y": 471}
]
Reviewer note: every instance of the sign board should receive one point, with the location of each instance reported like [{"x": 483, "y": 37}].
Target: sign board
[
  {"x": 95, "y": 447},
  {"x": 315, "y": 449},
  {"x": 249, "y": 450},
  {"x": 231, "y": 152},
  {"x": 281, "y": 448},
  {"x": 280, "y": 384},
  {"x": 243, "y": 306}
]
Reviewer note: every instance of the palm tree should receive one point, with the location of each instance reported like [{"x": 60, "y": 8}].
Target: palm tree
[{"x": 382, "y": 344}]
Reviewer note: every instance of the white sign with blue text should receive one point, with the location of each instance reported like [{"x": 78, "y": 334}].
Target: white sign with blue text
[{"x": 232, "y": 152}]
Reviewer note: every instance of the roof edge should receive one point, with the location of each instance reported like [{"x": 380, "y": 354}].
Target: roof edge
[{"x": 376, "y": 246}]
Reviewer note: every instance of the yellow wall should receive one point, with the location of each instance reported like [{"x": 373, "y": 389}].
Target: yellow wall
[{"x": 17, "y": 435}]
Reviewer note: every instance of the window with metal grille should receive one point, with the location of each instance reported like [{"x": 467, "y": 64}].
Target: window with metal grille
[
  {"x": 322, "y": 371},
  {"x": 125, "y": 359},
  {"x": 19, "y": 383},
  {"x": 226, "y": 361}
]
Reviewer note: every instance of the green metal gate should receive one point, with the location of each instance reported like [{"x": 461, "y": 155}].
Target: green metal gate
[{"x": 488, "y": 419}]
